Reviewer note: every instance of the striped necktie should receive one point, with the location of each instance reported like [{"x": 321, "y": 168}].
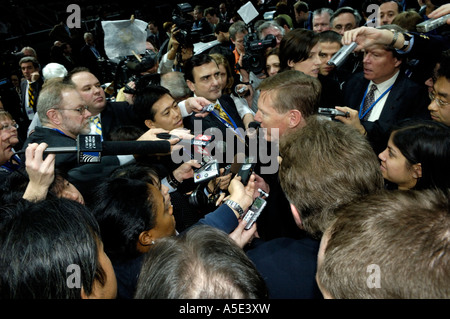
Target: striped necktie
[
  {"x": 98, "y": 125},
  {"x": 370, "y": 99},
  {"x": 222, "y": 113},
  {"x": 30, "y": 96}
]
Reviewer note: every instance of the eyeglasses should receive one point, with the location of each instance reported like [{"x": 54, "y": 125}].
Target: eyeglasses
[
  {"x": 8, "y": 127},
  {"x": 80, "y": 110},
  {"x": 438, "y": 101}
]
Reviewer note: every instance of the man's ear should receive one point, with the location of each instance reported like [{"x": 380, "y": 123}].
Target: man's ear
[
  {"x": 190, "y": 85},
  {"x": 54, "y": 116},
  {"x": 149, "y": 123},
  {"x": 294, "y": 117},
  {"x": 296, "y": 216}
]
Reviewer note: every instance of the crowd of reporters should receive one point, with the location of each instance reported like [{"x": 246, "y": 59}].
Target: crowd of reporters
[{"x": 143, "y": 225}]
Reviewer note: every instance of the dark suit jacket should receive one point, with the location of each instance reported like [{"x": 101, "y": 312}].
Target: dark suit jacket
[
  {"x": 406, "y": 99},
  {"x": 90, "y": 61},
  {"x": 117, "y": 114},
  {"x": 288, "y": 267},
  {"x": 37, "y": 86},
  {"x": 211, "y": 122}
]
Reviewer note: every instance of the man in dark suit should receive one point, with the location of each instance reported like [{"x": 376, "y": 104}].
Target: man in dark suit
[
  {"x": 111, "y": 114},
  {"x": 381, "y": 96},
  {"x": 312, "y": 178},
  {"x": 30, "y": 89},
  {"x": 202, "y": 76},
  {"x": 90, "y": 55},
  {"x": 287, "y": 99}
]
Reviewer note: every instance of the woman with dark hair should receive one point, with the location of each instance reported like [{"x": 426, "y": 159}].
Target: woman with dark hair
[
  {"x": 299, "y": 50},
  {"x": 133, "y": 214},
  {"x": 52, "y": 249},
  {"x": 417, "y": 156}
]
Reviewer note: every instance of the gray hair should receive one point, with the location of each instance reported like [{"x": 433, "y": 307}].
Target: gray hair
[
  {"x": 235, "y": 28},
  {"x": 175, "y": 83},
  {"x": 267, "y": 25},
  {"x": 51, "y": 97}
]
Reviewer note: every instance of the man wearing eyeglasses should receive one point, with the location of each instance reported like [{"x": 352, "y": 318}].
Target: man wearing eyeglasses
[
  {"x": 440, "y": 95},
  {"x": 64, "y": 116},
  {"x": 62, "y": 122}
]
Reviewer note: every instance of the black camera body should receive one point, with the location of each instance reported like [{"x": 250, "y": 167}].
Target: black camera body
[
  {"x": 254, "y": 59},
  {"x": 198, "y": 199}
]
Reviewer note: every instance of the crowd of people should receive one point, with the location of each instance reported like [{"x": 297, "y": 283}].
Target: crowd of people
[{"x": 144, "y": 190}]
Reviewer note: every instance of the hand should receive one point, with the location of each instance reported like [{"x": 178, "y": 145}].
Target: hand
[
  {"x": 150, "y": 135},
  {"x": 128, "y": 96},
  {"x": 242, "y": 236},
  {"x": 243, "y": 195},
  {"x": 352, "y": 118},
  {"x": 40, "y": 172},
  {"x": 441, "y": 11},
  {"x": 196, "y": 104},
  {"x": 222, "y": 182},
  {"x": 185, "y": 170},
  {"x": 182, "y": 133},
  {"x": 260, "y": 183},
  {"x": 245, "y": 77},
  {"x": 367, "y": 36}
]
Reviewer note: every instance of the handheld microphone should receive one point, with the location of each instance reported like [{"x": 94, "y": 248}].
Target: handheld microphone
[
  {"x": 90, "y": 148},
  {"x": 339, "y": 57}
]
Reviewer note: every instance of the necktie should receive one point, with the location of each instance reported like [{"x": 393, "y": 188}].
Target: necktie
[
  {"x": 370, "y": 98},
  {"x": 30, "y": 96},
  {"x": 98, "y": 125},
  {"x": 222, "y": 113}
]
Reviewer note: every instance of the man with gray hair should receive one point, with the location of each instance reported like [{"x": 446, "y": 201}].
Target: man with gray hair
[
  {"x": 321, "y": 19},
  {"x": 174, "y": 81},
  {"x": 345, "y": 19},
  {"x": 273, "y": 28}
]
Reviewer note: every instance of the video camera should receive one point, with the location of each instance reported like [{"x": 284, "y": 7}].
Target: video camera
[
  {"x": 132, "y": 69},
  {"x": 184, "y": 23},
  {"x": 254, "y": 59}
]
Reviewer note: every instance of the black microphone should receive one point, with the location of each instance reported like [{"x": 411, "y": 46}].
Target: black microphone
[{"x": 90, "y": 148}]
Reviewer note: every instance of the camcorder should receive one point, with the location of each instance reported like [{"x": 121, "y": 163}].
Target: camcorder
[
  {"x": 135, "y": 68},
  {"x": 254, "y": 59}
]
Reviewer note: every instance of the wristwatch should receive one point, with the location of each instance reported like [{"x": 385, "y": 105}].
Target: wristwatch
[
  {"x": 236, "y": 206},
  {"x": 407, "y": 37},
  {"x": 173, "y": 181},
  {"x": 394, "y": 39}
]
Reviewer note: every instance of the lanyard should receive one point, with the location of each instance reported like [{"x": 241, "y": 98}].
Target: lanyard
[
  {"x": 361, "y": 116},
  {"x": 234, "y": 127},
  {"x": 59, "y": 131}
]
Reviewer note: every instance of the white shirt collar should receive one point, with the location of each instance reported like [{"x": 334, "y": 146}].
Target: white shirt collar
[{"x": 383, "y": 86}]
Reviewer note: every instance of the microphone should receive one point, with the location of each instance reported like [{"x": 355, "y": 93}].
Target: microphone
[
  {"x": 90, "y": 148},
  {"x": 339, "y": 57}
]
